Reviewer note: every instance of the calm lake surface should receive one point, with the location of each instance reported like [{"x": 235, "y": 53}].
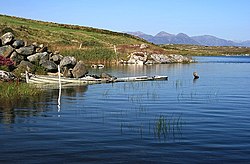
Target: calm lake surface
[{"x": 176, "y": 121}]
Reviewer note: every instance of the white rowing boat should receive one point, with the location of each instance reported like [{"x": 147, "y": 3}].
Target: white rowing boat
[{"x": 46, "y": 79}]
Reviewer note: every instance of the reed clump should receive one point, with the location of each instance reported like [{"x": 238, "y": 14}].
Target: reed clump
[{"x": 16, "y": 90}]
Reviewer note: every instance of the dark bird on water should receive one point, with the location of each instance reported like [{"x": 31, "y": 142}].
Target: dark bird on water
[{"x": 196, "y": 76}]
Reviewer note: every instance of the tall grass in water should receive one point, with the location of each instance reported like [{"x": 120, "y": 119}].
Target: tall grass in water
[
  {"x": 14, "y": 90},
  {"x": 165, "y": 126}
]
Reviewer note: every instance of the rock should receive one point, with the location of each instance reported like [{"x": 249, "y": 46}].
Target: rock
[
  {"x": 6, "y": 76},
  {"x": 137, "y": 58},
  {"x": 7, "y": 38},
  {"x": 38, "y": 56},
  {"x": 18, "y": 44},
  {"x": 160, "y": 58},
  {"x": 26, "y": 66},
  {"x": 107, "y": 76},
  {"x": 196, "y": 76},
  {"x": 16, "y": 58},
  {"x": 35, "y": 44},
  {"x": 67, "y": 72},
  {"x": 68, "y": 61},
  {"x": 143, "y": 46},
  {"x": 43, "y": 49},
  {"x": 79, "y": 70},
  {"x": 50, "y": 66},
  {"x": 6, "y": 51},
  {"x": 56, "y": 58},
  {"x": 26, "y": 51}
]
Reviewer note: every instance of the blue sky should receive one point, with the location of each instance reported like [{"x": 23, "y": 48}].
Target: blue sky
[{"x": 228, "y": 19}]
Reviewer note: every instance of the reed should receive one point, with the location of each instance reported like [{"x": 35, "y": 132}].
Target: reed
[
  {"x": 16, "y": 90},
  {"x": 165, "y": 126}
]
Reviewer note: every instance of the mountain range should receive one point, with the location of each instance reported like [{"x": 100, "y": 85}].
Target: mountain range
[{"x": 181, "y": 38}]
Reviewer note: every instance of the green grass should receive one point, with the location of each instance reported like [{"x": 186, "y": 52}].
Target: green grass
[
  {"x": 96, "y": 44},
  {"x": 14, "y": 90},
  {"x": 195, "y": 50},
  {"x": 96, "y": 54}
]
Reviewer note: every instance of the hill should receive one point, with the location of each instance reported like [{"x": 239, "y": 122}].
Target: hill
[{"x": 82, "y": 42}]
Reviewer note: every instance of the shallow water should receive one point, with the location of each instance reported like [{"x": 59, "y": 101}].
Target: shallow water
[{"x": 176, "y": 121}]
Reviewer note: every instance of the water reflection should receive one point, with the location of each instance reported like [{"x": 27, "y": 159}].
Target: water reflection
[{"x": 35, "y": 105}]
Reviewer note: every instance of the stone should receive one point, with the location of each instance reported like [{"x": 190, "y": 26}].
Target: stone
[
  {"x": 79, "y": 70},
  {"x": 143, "y": 46},
  {"x": 56, "y": 58},
  {"x": 6, "y": 51},
  {"x": 6, "y": 76},
  {"x": 7, "y": 38},
  {"x": 18, "y": 43},
  {"x": 68, "y": 61},
  {"x": 196, "y": 76},
  {"x": 26, "y": 51},
  {"x": 43, "y": 49},
  {"x": 107, "y": 76},
  {"x": 38, "y": 56},
  {"x": 137, "y": 58},
  {"x": 16, "y": 58},
  {"x": 50, "y": 66},
  {"x": 67, "y": 72},
  {"x": 160, "y": 58},
  {"x": 26, "y": 66}
]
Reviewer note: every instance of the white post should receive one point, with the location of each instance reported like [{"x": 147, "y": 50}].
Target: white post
[
  {"x": 60, "y": 89},
  {"x": 116, "y": 54},
  {"x": 27, "y": 76}
]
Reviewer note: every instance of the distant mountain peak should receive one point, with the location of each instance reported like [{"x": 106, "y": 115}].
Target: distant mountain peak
[
  {"x": 163, "y": 34},
  {"x": 182, "y": 35},
  {"x": 136, "y": 33}
]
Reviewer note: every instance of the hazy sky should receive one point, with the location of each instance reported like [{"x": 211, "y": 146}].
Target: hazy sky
[{"x": 228, "y": 19}]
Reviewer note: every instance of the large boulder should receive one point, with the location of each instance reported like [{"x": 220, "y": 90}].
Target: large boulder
[
  {"x": 6, "y": 51},
  {"x": 68, "y": 61},
  {"x": 38, "y": 56},
  {"x": 16, "y": 58},
  {"x": 26, "y": 66},
  {"x": 161, "y": 58},
  {"x": 18, "y": 43},
  {"x": 26, "y": 51},
  {"x": 7, "y": 38},
  {"x": 50, "y": 66},
  {"x": 79, "y": 70},
  {"x": 138, "y": 58}
]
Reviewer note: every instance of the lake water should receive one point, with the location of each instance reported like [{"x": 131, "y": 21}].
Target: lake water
[{"x": 176, "y": 121}]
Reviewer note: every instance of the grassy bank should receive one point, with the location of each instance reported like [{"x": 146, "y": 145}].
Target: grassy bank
[
  {"x": 15, "y": 90},
  {"x": 83, "y": 42},
  {"x": 195, "y": 50}
]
